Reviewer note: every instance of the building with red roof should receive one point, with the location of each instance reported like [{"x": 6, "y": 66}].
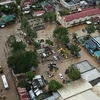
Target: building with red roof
[
  {"x": 69, "y": 20},
  {"x": 23, "y": 94},
  {"x": 39, "y": 13}
]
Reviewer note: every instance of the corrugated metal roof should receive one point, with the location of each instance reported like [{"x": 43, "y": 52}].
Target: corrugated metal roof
[
  {"x": 74, "y": 88},
  {"x": 91, "y": 75},
  {"x": 82, "y": 14},
  {"x": 87, "y": 95},
  {"x": 83, "y": 66}
]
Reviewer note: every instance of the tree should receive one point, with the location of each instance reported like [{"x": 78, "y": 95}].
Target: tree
[
  {"x": 64, "y": 39},
  {"x": 60, "y": 31},
  {"x": 11, "y": 40},
  {"x": 49, "y": 17},
  {"x": 54, "y": 85},
  {"x": 24, "y": 23},
  {"x": 22, "y": 61},
  {"x": 75, "y": 49},
  {"x": 9, "y": 9},
  {"x": 49, "y": 42},
  {"x": 61, "y": 34},
  {"x": 18, "y": 2},
  {"x": 22, "y": 83},
  {"x": 90, "y": 29},
  {"x": 29, "y": 75},
  {"x": 36, "y": 45},
  {"x": 74, "y": 37},
  {"x": 31, "y": 33},
  {"x": 18, "y": 46},
  {"x": 74, "y": 73}
]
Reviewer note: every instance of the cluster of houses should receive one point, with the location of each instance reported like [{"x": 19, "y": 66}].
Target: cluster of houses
[
  {"x": 86, "y": 88},
  {"x": 75, "y": 4},
  {"x": 36, "y": 84},
  {"x": 93, "y": 47},
  {"x": 78, "y": 17}
]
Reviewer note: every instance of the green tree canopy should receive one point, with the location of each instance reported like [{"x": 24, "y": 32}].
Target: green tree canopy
[
  {"x": 11, "y": 40},
  {"x": 18, "y": 46},
  {"x": 74, "y": 73},
  {"x": 12, "y": 8},
  {"x": 61, "y": 34},
  {"x": 60, "y": 31},
  {"x": 29, "y": 75},
  {"x": 36, "y": 45},
  {"x": 54, "y": 85},
  {"x": 49, "y": 17},
  {"x": 22, "y": 83},
  {"x": 75, "y": 49},
  {"x": 22, "y": 61},
  {"x": 74, "y": 36},
  {"x": 24, "y": 23},
  {"x": 90, "y": 29},
  {"x": 18, "y": 2},
  {"x": 64, "y": 39},
  {"x": 31, "y": 33},
  {"x": 49, "y": 42}
]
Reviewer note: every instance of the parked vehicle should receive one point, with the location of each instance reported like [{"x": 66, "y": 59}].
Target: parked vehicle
[
  {"x": 60, "y": 75},
  {"x": 55, "y": 58},
  {"x": 5, "y": 83},
  {"x": 57, "y": 67},
  {"x": 58, "y": 57},
  {"x": 44, "y": 55},
  {"x": 53, "y": 51}
]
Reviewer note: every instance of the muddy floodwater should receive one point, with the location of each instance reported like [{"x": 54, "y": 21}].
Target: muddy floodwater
[{"x": 67, "y": 62}]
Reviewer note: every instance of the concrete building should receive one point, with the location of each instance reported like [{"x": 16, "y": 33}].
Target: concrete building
[
  {"x": 88, "y": 72},
  {"x": 73, "y": 4},
  {"x": 79, "y": 17},
  {"x": 77, "y": 90}
]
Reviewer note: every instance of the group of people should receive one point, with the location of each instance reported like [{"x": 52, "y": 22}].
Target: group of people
[{"x": 3, "y": 96}]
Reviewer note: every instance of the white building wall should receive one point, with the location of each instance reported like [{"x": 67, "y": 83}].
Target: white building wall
[{"x": 75, "y": 21}]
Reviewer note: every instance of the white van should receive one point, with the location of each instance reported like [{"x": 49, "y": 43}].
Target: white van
[
  {"x": 44, "y": 55},
  {"x": 55, "y": 58}
]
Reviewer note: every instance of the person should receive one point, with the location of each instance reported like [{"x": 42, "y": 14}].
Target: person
[
  {"x": 1, "y": 90},
  {"x": 3, "y": 96}
]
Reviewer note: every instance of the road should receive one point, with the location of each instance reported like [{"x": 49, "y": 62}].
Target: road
[{"x": 11, "y": 93}]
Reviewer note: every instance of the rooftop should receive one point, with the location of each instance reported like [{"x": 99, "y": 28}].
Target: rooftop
[
  {"x": 91, "y": 75},
  {"x": 83, "y": 66},
  {"x": 74, "y": 88},
  {"x": 23, "y": 93},
  {"x": 82, "y": 14},
  {"x": 86, "y": 95}
]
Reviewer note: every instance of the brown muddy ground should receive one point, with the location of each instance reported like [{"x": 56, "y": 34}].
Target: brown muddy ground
[
  {"x": 11, "y": 93},
  {"x": 64, "y": 64}
]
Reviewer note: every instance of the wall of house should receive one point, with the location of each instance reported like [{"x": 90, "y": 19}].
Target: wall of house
[{"x": 63, "y": 22}]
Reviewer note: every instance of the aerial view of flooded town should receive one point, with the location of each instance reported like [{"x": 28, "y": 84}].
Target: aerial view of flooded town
[{"x": 49, "y": 49}]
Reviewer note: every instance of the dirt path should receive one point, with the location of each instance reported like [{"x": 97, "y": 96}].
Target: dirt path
[{"x": 11, "y": 93}]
